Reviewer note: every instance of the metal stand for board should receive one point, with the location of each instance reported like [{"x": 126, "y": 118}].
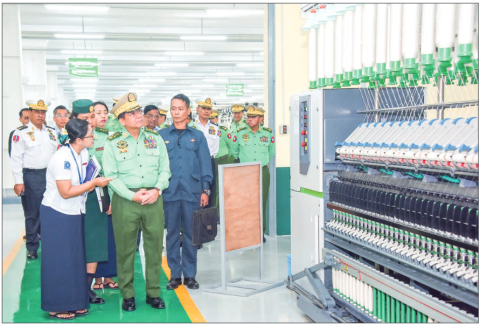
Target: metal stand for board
[{"x": 224, "y": 285}]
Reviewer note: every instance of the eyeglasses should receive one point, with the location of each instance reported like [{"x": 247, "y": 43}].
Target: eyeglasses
[
  {"x": 154, "y": 117},
  {"x": 60, "y": 116},
  {"x": 137, "y": 112},
  {"x": 89, "y": 136}
]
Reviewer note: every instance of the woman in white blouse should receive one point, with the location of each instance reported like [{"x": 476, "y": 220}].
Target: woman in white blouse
[{"x": 63, "y": 274}]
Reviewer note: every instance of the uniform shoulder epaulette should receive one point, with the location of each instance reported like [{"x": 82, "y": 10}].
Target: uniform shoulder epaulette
[
  {"x": 114, "y": 136},
  {"x": 23, "y": 127},
  {"x": 192, "y": 126},
  {"x": 269, "y": 130},
  {"x": 166, "y": 126},
  {"x": 223, "y": 128},
  {"x": 242, "y": 128},
  {"x": 214, "y": 123},
  {"x": 151, "y": 131},
  {"x": 49, "y": 127},
  {"x": 102, "y": 130}
]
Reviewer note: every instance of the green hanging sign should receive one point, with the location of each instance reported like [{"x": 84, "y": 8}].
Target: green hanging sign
[
  {"x": 83, "y": 68},
  {"x": 234, "y": 90}
]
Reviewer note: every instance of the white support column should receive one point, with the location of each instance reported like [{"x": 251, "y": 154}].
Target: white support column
[
  {"x": 35, "y": 73},
  {"x": 52, "y": 96},
  {"x": 13, "y": 99}
]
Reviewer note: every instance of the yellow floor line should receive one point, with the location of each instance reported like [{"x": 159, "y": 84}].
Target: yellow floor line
[
  {"x": 13, "y": 253},
  {"x": 184, "y": 297}
]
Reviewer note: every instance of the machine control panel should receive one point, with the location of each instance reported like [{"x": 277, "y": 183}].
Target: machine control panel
[{"x": 304, "y": 127}]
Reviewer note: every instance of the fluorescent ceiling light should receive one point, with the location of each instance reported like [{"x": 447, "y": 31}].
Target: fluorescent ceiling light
[
  {"x": 183, "y": 53},
  {"x": 86, "y": 79},
  {"x": 80, "y": 36},
  {"x": 172, "y": 65},
  {"x": 162, "y": 73},
  {"x": 257, "y": 64},
  {"x": 232, "y": 12},
  {"x": 214, "y": 80},
  {"x": 151, "y": 80},
  {"x": 255, "y": 86},
  {"x": 82, "y": 85},
  {"x": 81, "y": 52},
  {"x": 203, "y": 38},
  {"x": 230, "y": 73},
  {"x": 145, "y": 86},
  {"x": 204, "y": 86},
  {"x": 190, "y": 91},
  {"x": 140, "y": 91},
  {"x": 261, "y": 53},
  {"x": 77, "y": 8}
]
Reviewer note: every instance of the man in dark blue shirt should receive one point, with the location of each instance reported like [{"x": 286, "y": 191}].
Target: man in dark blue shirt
[{"x": 187, "y": 192}]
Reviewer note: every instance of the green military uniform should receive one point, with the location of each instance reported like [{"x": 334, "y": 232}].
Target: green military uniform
[
  {"x": 113, "y": 125},
  {"x": 258, "y": 146},
  {"x": 237, "y": 108},
  {"x": 136, "y": 164},
  {"x": 194, "y": 125},
  {"x": 164, "y": 125},
  {"x": 224, "y": 152},
  {"x": 96, "y": 221}
]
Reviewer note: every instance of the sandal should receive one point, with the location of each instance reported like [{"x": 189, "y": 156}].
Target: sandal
[
  {"x": 99, "y": 286},
  {"x": 80, "y": 312},
  {"x": 58, "y": 315},
  {"x": 111, "y": 285}
]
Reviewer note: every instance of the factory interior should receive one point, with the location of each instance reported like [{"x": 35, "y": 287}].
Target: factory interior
[{"x": 372, "y": 211}]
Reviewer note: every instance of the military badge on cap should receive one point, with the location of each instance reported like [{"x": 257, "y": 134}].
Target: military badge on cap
[
  {"x": 127, "y": 103},
  {"x": 206, "y": 104},
  {"x": 82, "y": 106},
  {"x": 237, "y": 108},
  {"x": 131, "y": 97},
  {"x": 37, "y": 105},
  {"x": 91, "y": 108}
]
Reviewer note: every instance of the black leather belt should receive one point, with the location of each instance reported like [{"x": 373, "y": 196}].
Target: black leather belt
[{"x": 43, "y": 170}]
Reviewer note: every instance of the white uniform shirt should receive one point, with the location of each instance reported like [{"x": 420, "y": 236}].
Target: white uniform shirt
[
  {"x": 32, "y": 148},
  {"x": 62, "y": 166},
  {"x": 212, "y": 135}
]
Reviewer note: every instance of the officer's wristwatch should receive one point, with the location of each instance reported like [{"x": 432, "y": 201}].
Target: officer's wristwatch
[{"x": 206, "y": 192}]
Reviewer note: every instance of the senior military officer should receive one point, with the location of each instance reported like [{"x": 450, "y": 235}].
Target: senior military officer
[
  {"x": 162, "y": 121},
  {"x": 238, "y": 121},
  {"x": 32, "y": 147},
  {"x": 188, "y": 191},
  {"x": 256, "y": 143},
  {"x": 224, "y": 151},
  {"x": 212, "y": 135},
  {"x": 137, "y": 160}
]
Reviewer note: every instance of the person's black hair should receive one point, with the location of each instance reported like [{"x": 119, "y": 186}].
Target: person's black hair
[
  {"x": 182, "y": 97},
  {"x": 23, "y": 110},
  {"x": 76, "y": 129},
  {"x": 149, "y": 108},
  {"x": 99, "y": 102},
  {"x": 190, "y": 115},
  {"x": 59, "y": 107}
]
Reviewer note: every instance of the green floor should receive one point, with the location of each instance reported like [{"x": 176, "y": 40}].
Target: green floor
[{"x": 21, "y": 299}]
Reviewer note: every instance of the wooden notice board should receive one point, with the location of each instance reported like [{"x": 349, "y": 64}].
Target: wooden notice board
[{"x": 241, "y": 186}]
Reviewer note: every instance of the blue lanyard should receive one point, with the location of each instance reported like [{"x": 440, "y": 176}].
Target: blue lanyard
[{"x": 80, "y": 176}]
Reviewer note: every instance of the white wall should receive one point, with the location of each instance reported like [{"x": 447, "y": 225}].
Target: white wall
[{"x": 12, "y": 99}]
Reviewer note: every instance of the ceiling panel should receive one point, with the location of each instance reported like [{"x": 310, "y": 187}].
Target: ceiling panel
[{"x": 136, "y": 37}]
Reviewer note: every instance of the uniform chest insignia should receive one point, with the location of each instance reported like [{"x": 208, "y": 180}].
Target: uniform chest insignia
[
  {"x": 167, "y": 141},
  {"x": 264, "y": 139},
  {"x": 245, "y": 137},
  {"x": 51, "y": 135},
  {"x": 123, "y": 150},
  {"x": 273, "y": 139},
  {"x": 193, "y": 140},
  {"x": 219, "y": 133},
  {"x": 150, "y": 142},
  {"x": 99, "y": 149},
  {"x": 124, "y": 135},
  {"x": 122, "y": 144},
  {"x": 229, "y": 136},
  {"x": 32, "y": 136},
  {"x": 234, "y": 138},
  {"x": 211, "y": 130}
]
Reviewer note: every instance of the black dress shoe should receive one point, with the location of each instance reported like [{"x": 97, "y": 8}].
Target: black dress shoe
[
  {"x": 129, "y": 304},
  {"x": 174, "y": 283},
  {"x": 191, "y": 283},
  {"x": 156, "y": 302},
  {"x": 94, "y": 299},
  {"x": 32, "y": 255}
]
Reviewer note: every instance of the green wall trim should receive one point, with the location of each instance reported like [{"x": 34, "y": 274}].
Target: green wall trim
[
  {"x": 311, "y": 192},
  {"x": 283, "y": 201}
]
